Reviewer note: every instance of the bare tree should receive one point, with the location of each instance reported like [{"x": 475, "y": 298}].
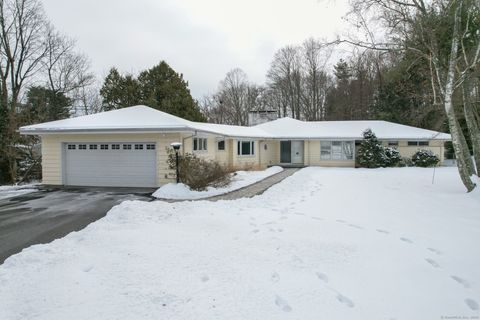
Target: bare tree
[
  {"x": 22, "y": 49},
  {"x": 427, "y": 29}
]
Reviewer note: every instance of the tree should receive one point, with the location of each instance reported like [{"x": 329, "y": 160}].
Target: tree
[
  {"x": 443, "y": 34},
  {"x": 370, "y": 153},
  {"x": 44, "y": 104},
  {"x": 159, "y": 87}
]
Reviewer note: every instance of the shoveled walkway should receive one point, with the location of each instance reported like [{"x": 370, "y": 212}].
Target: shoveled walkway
[{"x": 255, "y": 188}]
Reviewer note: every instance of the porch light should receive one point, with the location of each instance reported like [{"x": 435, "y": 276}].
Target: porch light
[{"x": 176, "y": 146}]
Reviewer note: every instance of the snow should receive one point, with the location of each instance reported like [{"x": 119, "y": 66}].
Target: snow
[
  {"x": 240, "y": 179},
  {"x": 146, "y": 119},
  {"x": 326, "y": 243},
  {"x": 16, "y": 190}
]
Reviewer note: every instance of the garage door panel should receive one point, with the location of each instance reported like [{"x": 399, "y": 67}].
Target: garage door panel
[{"x": 117, "y": 168}]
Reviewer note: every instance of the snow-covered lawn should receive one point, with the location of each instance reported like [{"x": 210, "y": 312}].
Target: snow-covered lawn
[
  {"x": 240, "y": 179},
  {"x": 13, "y": 191},
  {"x": 323, "y": 244}
]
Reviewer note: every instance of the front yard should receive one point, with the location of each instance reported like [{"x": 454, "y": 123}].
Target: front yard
[{"x": 323, "y": 244}]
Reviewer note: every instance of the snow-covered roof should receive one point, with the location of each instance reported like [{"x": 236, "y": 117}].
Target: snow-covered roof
[
  {"x": 145, "y": 119},
  {"x": 296, "y": 129}
]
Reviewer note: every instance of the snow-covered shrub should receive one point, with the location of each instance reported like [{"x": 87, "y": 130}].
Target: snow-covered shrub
[
  {"x": 405, "y": 162},
  {"x": 425, "y": 158},
  {"x": 371, "y": 153},
  {"x": 198, "y": 173},
  {"x": 392, "y": 157}
]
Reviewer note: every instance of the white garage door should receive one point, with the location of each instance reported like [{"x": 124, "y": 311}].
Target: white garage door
[{"x": 131, "y": 164}]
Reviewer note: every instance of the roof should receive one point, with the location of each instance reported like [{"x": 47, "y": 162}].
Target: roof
[
  {"x": 146, "y": 119},
  {"x": 351, "y": 129}
]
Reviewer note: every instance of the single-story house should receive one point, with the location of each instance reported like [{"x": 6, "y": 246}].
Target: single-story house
[{"x": 128, "y": 147}]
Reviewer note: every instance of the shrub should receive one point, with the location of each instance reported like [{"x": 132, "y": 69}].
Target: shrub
[
  {"x": 405, "y": 162},
  {"x": 198, "y": 173},
  {"x": 425, "y": 158},
  {"x": 392, "y": 157},
  {"x": 371, "y": 153}
]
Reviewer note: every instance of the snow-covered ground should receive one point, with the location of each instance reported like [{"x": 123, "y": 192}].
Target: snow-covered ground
[
  {"x": 240, "y": 179},
  {"x": 323, "y": 244},
  {"x": 13, "y": 191}
]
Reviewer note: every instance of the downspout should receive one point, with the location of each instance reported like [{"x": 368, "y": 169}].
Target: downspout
[{"x": 183, "y": 141}]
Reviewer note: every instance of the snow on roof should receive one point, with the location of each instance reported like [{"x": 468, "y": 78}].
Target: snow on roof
[
  {"x": 143, "y": 118},
  {"x": 296, "y": 129},
  {"x": 131, "y": 118}
]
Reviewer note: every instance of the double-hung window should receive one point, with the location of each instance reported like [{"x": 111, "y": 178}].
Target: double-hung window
[
  {"x": 245, "y": 148},
  {"x": 221, "y": 145},
  {"x": 199, "y": 144},
  {"x": 417, "y": 143},
  {"x": 336, "y": 150}
]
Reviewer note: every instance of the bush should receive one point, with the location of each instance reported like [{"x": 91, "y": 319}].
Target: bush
[
  {"x": 392, "y": 157},
  {"x": 425, "y": 158},
  {"x": 198, "y": 173},
  {"x": 405, "y": 162},
  {"x": 371, "y": 154}
]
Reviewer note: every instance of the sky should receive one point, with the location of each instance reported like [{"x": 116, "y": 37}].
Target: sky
[{"x": 203, "y": 40}]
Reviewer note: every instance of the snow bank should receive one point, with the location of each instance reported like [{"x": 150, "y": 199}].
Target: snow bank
[
  {"x": 325, "y": 243},
  {"x": 242, "y": 179},
  {"x": 13, "y": 191}
]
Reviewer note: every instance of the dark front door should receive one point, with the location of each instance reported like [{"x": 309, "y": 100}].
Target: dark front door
[{"x": 285, "y": 151}]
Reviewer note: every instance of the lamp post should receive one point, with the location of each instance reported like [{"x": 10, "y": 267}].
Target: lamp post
[{"x": 176, "y": 146}]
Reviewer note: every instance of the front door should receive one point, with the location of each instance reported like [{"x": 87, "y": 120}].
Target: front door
[
  {"x": 286, "y": 151},
  {"x": 297, "y": 152}
]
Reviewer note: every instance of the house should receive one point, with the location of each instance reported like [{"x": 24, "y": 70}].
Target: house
[{"x": 128, "y": 147}]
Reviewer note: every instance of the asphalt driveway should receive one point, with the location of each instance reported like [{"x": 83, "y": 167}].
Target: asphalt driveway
[{"x": 49, "y": 214}]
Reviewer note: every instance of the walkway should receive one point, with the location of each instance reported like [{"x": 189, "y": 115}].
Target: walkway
[{"x": 255, "y": 188}]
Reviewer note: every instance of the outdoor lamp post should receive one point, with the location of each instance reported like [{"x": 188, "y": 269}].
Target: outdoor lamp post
[{"x": 176, "y": 146}]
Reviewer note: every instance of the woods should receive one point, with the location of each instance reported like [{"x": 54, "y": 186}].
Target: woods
[{"x": 410, "y": 62}]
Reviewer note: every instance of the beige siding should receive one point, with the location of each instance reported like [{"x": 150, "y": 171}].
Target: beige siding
[
  {"x": 436, "y": 146},
  {"x": 52, "y": 152}
]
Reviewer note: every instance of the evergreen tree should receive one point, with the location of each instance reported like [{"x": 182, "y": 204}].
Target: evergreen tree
[
  {"x": 370, "y": 153},
  {"x": 159, "y": 87},
  {"x": 45, "y": 105}
]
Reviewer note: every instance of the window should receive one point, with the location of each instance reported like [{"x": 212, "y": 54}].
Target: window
[
  {"x": 115, "y": 147},
  {"x": 82, "y": 147},
  {"x": 393, "y": 143},
  {"x": 221, "y": 145},
  {"x": 104, "y": 147},
  {"x": 71, "y": 147},
  {"x": 325, "y": 150},
  {"x": 336, "y": 150},
  {"x": 127, "y": 147},
  {"x": 92, "y": 147},
  {"x": 245, "y": 148},
  {"x": 199, "y": 144},
  {"x": 417, "y": 143},
  {"x": 139, "y": 147},
  {"x": 150, "y": 147}
]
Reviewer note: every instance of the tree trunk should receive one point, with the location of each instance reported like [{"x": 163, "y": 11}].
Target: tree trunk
[{"x": 472, "y": 125}]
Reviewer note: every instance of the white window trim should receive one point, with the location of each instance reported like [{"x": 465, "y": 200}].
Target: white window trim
[
  {"x": 252, "y": 148},
  {"x": 200, "y": 139},
  {"x": 343, "y": 157}
]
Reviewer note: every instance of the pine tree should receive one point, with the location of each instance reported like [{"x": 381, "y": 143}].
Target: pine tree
[{"x": 370, "y": 153}]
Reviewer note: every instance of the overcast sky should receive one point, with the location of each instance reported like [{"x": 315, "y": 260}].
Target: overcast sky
[{"x": 201, "y": 39}]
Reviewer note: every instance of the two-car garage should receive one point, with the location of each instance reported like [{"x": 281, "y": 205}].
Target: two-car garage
[{"x": 112, "y": 164}]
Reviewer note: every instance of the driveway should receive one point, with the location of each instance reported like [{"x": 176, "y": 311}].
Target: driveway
[{"x": 49, "y": 214}]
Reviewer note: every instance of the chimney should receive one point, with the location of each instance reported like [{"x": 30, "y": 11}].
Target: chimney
[{"x": 261, "y": 116}]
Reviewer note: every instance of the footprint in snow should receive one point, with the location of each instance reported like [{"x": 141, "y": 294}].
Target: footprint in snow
[
  {"x": 472, "y": 304},
  {"x": 355, "y": 226},
  {"x": 406, "y": 240},
  {"x": 317, "y": 218},
  {"x": 461, "y": 281},
  {"x": 204, "y": 278},
  {"x": 436, "y": 251},
  {"x": 275, "y": 277},
  {"x": 282, "y": 304},
  {"x": 87, "y": 268},
  {"x": 341, "y": 221},
  {"x": 346, "y": 301},
  {"x": 322, "y": 276},
  {"x": 433, "y": 263},
  {"x": 255, "y": 231},
  {"x": 383, "y": 231}
]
